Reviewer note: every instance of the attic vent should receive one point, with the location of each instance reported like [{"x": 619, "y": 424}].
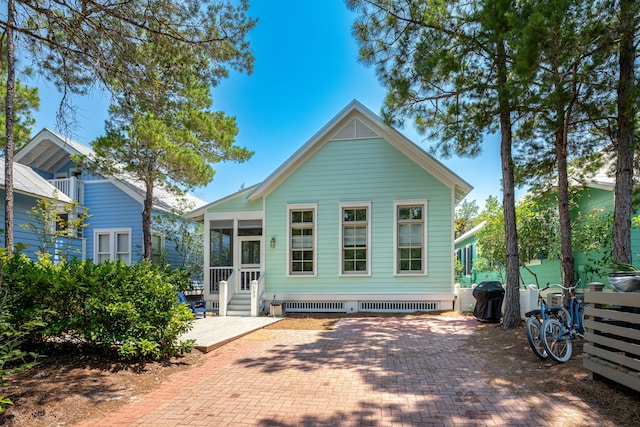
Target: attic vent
[
  {"x": 355, "y": 129},
  {"x": 397, "y": 307}
]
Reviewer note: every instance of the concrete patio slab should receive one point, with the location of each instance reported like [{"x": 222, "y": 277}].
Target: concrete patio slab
[{"x": 215, "y": 331}]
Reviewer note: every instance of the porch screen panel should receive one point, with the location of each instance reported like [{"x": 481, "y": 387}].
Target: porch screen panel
[
  {"x": 221, "y": 253},
  {"x": 250, "y": 227}
]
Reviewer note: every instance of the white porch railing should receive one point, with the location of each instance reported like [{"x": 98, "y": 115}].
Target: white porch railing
[
  {"x": 257, "y": 294},
  {"x": 217, "y": 275},
  {"x": 226, "y": 281},
  {"x": 248, "y": 275},
  {"x": 71, "y": 187}
]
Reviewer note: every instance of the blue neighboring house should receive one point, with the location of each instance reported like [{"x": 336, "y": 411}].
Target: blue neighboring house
[
  {"x": 28, "y": 188},
  {"x": 114, "y": 202}
]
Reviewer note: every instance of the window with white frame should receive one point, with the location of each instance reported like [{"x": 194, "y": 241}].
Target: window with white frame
[
  {"x": 112, "y": 244},
  {"x": 157, "y": 247},
  {"x": 410, "y": 237},
  {"x": 355, "y": 237},
  {"x": 302, "y": 240}
]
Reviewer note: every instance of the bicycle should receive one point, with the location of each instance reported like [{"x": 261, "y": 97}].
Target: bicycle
[
  {"x": 536, "y": 317},
  {"x": 556, "y": 334}
]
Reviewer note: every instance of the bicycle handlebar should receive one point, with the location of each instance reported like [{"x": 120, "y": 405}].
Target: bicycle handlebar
[{"x": 557, "y": 285}]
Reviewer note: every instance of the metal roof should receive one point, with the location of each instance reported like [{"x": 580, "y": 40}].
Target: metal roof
[
  {"x": 26, "y": 181},
  {"x": 49, "y": 151}
]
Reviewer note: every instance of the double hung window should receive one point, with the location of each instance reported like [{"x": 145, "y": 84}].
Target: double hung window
[
  {"x": 302, "y": 240},
  {"x": 355, "y": 239},
  {"x": 112, "y": 244},
  {"x": 410, "y": 238}
]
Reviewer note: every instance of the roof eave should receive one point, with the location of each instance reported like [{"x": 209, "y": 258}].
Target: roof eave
[{"x": 197, "y": 215}]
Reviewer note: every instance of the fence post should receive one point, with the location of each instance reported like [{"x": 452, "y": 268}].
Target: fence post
[{"x": 222, "y": 295}]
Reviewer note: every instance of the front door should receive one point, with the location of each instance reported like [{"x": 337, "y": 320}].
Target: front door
[{"x": 250, "y": 250}]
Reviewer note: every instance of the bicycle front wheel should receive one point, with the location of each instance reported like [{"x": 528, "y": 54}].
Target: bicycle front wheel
[
  {"x": 532, "y": 326},
  {"x": 556, "y": 340}
]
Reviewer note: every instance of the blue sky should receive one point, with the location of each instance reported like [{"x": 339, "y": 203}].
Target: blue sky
[{"x": 306, "y": 71}]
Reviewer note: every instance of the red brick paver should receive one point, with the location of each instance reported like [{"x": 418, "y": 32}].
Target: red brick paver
[{"x": 365, "y": 372}]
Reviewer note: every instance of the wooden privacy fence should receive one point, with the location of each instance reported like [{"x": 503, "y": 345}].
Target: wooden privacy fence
[{"x": 612, "y": 340}]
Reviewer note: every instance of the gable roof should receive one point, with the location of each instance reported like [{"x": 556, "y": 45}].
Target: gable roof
[
  {"x": 470, "y": 233},
  {"x": 28, "y": 182},
  {"x": 356, "y": 121},
  {"x": 197, "y": 214},
  {"x": 604, "y": 178},
  {"x": 49, "y": 151}
]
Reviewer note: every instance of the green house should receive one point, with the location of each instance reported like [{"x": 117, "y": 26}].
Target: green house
[
  {"x": 358, "y": 219},
  {"x": 595, "y": 195}
]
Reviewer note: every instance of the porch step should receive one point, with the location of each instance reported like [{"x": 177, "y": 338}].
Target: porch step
[{"x": 240, "y": 305}]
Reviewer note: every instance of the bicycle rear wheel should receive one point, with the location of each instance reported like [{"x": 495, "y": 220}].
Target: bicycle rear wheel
[
  {"x": 582, "y": 317},
  {"x": 556, "y": 340},
  {"x": 532, "y": 326}
]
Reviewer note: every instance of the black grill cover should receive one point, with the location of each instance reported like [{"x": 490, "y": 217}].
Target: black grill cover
[{"x": 489, "y": 296}]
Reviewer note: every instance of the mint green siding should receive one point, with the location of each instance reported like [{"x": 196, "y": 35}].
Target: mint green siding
[
  {"x": 369, "y": 170},
  {"x": 237, "y": 203}
]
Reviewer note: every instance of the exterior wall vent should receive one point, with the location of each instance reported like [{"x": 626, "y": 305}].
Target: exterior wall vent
[
  {"x": 355, "y": 129},
  {"x": 315, "y": 306},
  {"x": 398, "y": 307},
  {"x": 366, "y": 306}
]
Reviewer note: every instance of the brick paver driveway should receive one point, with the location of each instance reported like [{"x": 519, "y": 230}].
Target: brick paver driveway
[{"x": 365, "y": 372}]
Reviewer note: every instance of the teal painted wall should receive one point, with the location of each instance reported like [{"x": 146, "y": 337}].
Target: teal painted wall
[
  {"x": 360, "y": 171},
  {"x": 466, "y": 280}
]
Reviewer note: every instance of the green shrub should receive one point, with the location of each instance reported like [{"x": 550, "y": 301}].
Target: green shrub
[
  {"x": 108, "y": 306},
  {"x": 12, "y": 357},
  {"x": 135, "y": 309}
]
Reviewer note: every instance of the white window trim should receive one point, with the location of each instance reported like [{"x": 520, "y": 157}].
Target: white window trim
[
  {"x": 425, "y": 255},
  {"x": 295, "y": 207},
  {"x": 112, "y": 247},
  {"x": 351, "y": 205}
]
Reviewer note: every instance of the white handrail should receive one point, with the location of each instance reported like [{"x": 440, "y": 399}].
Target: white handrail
[
  {"x": 257, "y": 293},
  {"x": 232, "y": 280},
  {"x": 224, "y": 296}
]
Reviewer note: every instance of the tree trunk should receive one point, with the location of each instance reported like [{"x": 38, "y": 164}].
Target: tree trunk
[
  {"x": 563, "y": 204},
  {"x": 146, "y": 220},
  {"x": 9, "y": 141},
  {"x": 625, "y": 139},
  {"x": 512, "y": 294}
]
